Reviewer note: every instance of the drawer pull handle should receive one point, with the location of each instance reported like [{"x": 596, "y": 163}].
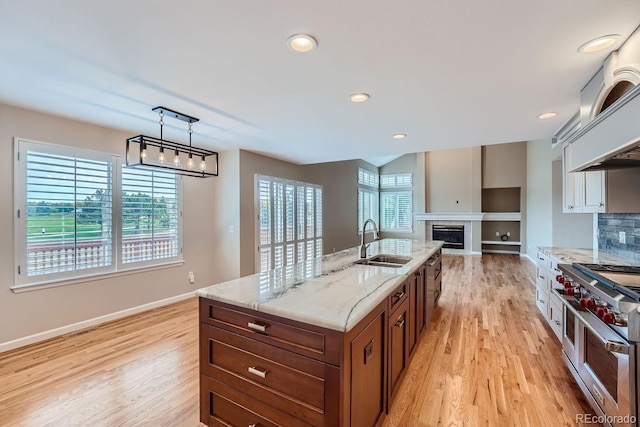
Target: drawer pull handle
[
  {"x": 257, "y": 327},
  {"x": 558, "y": 322},
  {"x": 253, "y": 425},
  {"x": 255, "y": 371},
  {"x": 400, "y": 323},
  {"x": 399, "y": 295}
]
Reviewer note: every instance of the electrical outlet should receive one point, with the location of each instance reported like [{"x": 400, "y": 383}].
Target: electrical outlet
[
  {"x": 192, "y": 277},
  {"x": 498, "y": 233},
  {"x": 622, "y": 237},
  {"x": 508, "y": 234}
]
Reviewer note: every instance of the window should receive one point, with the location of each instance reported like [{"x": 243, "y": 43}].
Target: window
[
  {"x": 368, "y": 178},
  {"x": 289, "y": 222},
  {"x": 397, "y": 211},
  {"x": 396, "y": 180},
  {"x": 150, "y": 216},
  {"x": 74, "y": 220},
  {"x": 368, "y": 197},
  {"x": 397, "y": 206}
]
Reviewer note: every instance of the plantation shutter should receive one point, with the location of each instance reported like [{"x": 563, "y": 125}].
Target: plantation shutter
[
  {"x": 397, "y": 211},
  {"x": 69, "y": 212},
  {"x": 368, "y": 206},
  {"x": 150, "y": 215},
  {"x": 289, "y": 222}
]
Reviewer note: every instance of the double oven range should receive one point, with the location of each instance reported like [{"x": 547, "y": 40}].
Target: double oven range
[{"x": 601, "y": 336}]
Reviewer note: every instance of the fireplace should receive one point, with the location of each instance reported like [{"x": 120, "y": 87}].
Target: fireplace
[{"x": 452, "y": 235}]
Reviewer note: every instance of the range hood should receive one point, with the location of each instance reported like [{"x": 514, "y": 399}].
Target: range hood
[
  {"x": 629, "y": 158},
  {"x": 609, "y": 141}
]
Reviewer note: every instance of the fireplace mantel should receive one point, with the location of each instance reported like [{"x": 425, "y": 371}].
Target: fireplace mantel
[{"x": 453, "y": 216}]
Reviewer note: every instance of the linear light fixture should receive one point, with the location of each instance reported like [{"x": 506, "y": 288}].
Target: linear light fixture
[{"x": 149, "y": 153}]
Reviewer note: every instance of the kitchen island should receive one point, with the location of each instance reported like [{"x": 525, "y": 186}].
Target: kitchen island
[{"x": 324, "y": 342}]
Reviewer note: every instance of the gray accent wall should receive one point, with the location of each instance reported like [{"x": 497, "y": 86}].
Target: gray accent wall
[{"x": 609, "y": 228}]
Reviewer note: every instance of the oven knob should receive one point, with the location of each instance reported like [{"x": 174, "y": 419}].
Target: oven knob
[
  {"x": 570, "y": 291},
  {"x": 560, "y": 278},
  {"x": 583, "y": 302},
  {"x": 609, "y": 318},
  {"x": 601, "y": 312},
  {"x": 567, "y": 284},
  {"x": 591, "y": 303}
]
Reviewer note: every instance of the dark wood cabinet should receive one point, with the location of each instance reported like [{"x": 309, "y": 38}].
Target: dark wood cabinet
[
  {"x": 417, "y": 305},
  {"x": 264, "y": 370},
  {"x": 368, "y": 372},
  {"x": 398, "y": 347}
]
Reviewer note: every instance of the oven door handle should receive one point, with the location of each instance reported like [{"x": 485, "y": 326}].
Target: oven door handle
[{"x": 609, "y": 345}]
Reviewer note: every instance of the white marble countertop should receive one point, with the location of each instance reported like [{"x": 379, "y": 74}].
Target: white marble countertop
[
  {"x": 331, "y": 291},
  {"x": 587, "y": 256}
]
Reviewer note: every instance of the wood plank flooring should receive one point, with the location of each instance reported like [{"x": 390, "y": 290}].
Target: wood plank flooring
[{"x": 488, "y": 358}]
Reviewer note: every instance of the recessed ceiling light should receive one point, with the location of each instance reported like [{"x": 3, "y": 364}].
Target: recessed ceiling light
[
  {"x": 545, "y": 116},
  {"x": 302, "y": 42},
  {"x": 359, "y": 97},
  {"x": 599, "y": 44},
  {"x": 399, "y": 135}
]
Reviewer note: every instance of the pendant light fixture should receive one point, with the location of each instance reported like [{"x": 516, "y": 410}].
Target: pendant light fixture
[{"x": 150, "y": 151}]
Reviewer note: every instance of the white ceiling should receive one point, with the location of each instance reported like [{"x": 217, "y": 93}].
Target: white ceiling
[{"x": 447, "y": 73}]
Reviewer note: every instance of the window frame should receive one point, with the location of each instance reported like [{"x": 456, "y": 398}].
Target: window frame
[
  {"x": 395, "y": 228},
  {"x": 22, "y": 282},
  {"x": 368, "y": 182},
  {"x": 318, "y": 225}
]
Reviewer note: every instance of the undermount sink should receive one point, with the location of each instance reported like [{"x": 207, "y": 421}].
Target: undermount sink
[{"x": 385, "y": 261}]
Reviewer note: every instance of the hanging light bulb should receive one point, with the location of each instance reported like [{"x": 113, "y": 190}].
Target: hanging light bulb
[
  {"x": 190, "y": 163},
  {"x": 143, "y": 151},
  {"x": 176, "y": 159},
  {"x": 161, "y": 157},
  {"x": 203, "y": 165}
]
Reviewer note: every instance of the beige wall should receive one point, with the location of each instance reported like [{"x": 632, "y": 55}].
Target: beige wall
[
  {"x": 36, "y": 311},
  {"x": 340, "y": 205},
  {"x": 225, "y": 217},
  {"x": 504, "y": 165},
  {"x": 453, "y": 180},
  {"x": 250, "y": 165},
  {"x": 414, "y": 163},
  {"x": 340, "y": 200}
]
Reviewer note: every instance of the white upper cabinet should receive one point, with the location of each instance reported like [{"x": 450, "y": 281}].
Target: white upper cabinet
[{"x": 582, "y": 191}]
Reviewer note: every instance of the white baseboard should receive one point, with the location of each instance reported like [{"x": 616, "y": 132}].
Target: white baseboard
[
  {"x": 41, "y": 336},
  {"x": 531, "y": 260}
]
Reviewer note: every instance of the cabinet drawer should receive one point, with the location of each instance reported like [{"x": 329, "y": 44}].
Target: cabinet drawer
[
  {"x": 555, "y": 315},
  {"x": 542, "y": 300},
  {"x": 308, "y": 340},
  {"x": 542, "y": 259},
  {"x": 225, "y": 406},
  {"x": 398, "y": 296},
  {"x": 541, "y": 276},
  {"x": 287, "y": 381}
]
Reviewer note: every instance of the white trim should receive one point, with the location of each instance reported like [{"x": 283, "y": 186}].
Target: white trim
[
  {"x": 501, "y": 242},
  {"x": 531, "y": 260},
  {"x": 52, "y": 333},
  {"x": 474, "y": 216},
  {"x": 502, "y": 216}
]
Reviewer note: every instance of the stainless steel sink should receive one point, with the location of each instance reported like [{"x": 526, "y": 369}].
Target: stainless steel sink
[{"x": 383, "y": 260}]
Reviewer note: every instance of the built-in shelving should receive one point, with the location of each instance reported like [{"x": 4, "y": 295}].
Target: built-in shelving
[{"x": 501, "y": 218}]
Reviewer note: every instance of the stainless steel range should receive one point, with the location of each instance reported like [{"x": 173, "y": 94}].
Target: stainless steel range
[{"x": 601, "y": 334}]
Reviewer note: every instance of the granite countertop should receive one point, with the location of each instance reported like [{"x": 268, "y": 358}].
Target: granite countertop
[
  {"x": 587, "y": 256},
  {"x": 330, "y": 291}
]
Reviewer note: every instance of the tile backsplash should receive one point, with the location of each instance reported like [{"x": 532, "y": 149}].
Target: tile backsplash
[{"x": 610, "y": 228}]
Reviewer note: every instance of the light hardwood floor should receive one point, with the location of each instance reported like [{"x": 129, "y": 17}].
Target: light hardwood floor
[{"x": 488, "y": 358}]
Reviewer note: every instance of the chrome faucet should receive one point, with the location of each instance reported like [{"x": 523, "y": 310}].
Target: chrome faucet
[{"x": 363, "y": 247}]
